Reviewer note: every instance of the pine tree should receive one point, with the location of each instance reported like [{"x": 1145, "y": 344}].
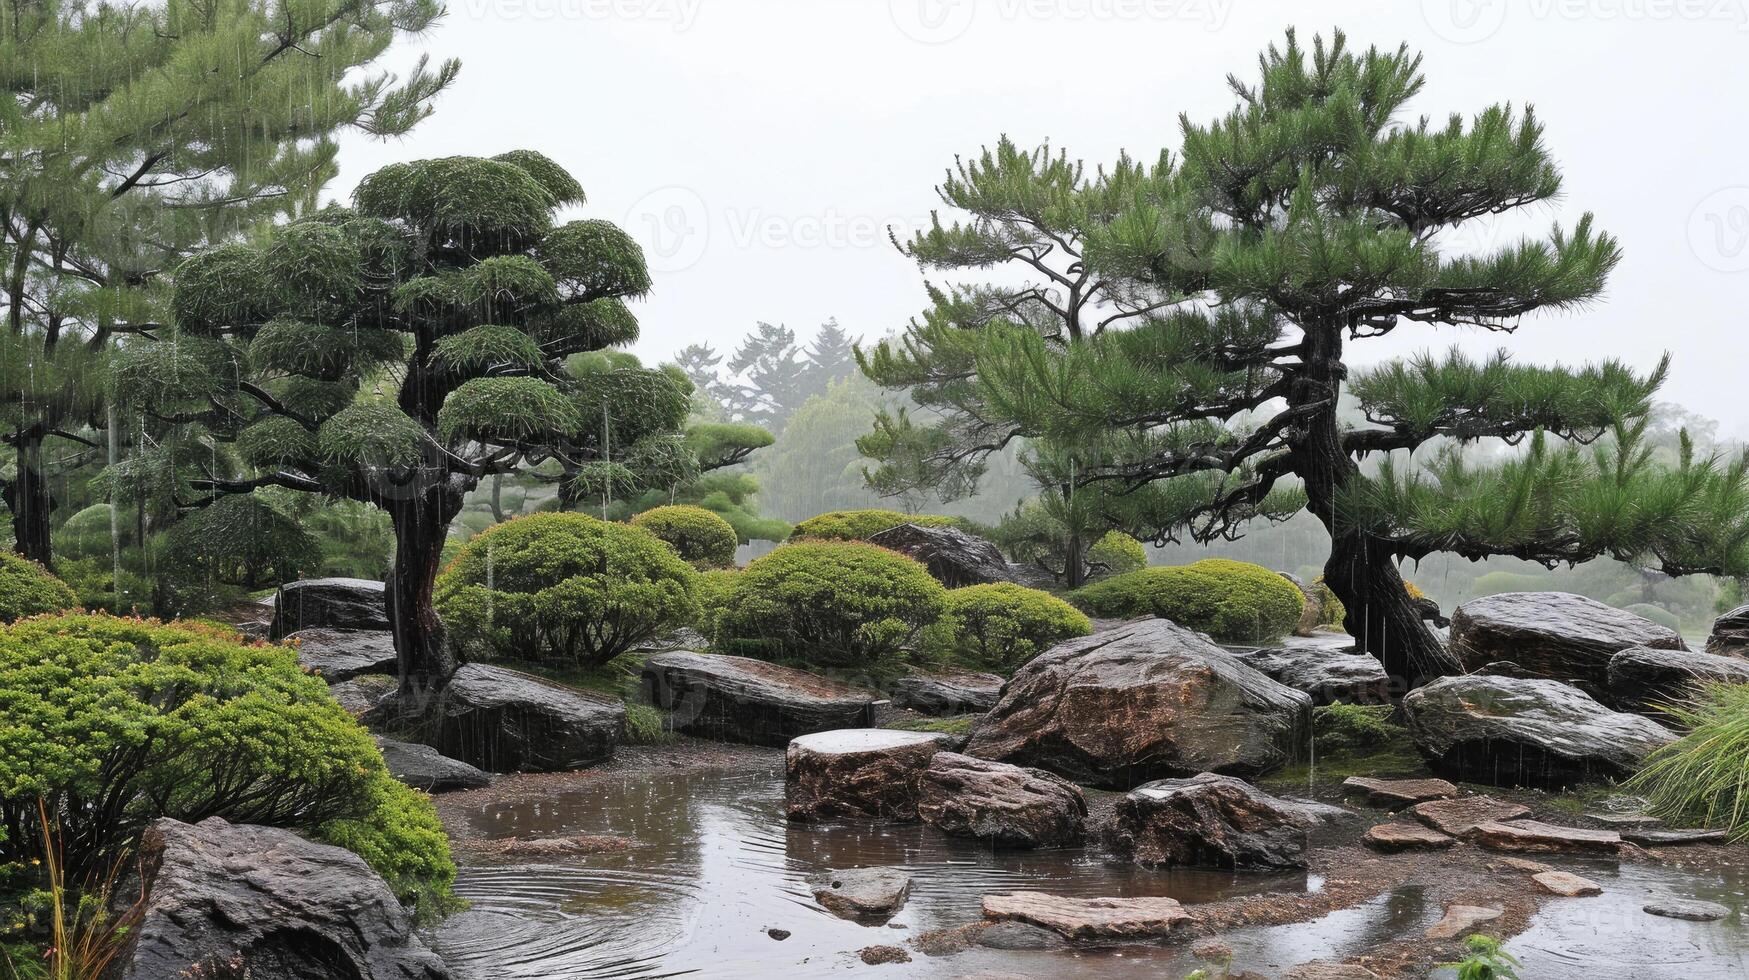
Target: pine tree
[
  {"x": 1307, "y": 219},
  {"x": 131, "y": 135},
  {"x": 772, "y": 365},
  {"x": 830, "y": 357},
  {"x": 443, "y": 331}
]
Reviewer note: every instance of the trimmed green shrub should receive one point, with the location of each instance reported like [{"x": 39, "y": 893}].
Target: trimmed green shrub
[
  {"x": 1703, "y": 778},
  {"x": 1230, "y": 600},
  {"x": 700, "y": 537},
  {"x": 1117, "y": 554},
  {"x": 27, "y": 589},
  {"x": 117, "y": 722},
  {"x": 860, "y": 525},
  {"x": 715, "y": 589},
  {"x": 1004, "y": 625},
  {"x": 831, "y": 604},
  {"x": 564, "y": 588}
]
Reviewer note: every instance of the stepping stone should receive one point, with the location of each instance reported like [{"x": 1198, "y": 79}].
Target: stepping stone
[
  {"x": 1544, "y": 838},
  {"x": 856, "y": 773},
  {"x": 1625, "y": 821},
  {"x": 1019, "y": 936},
  {"x": 1520, "y": 864},
  {"x": 1687, "y": 909},
  {"x": 1329, "y": 971},
  {"x": 1395, "y": 793},
  {"x": 1460, "y": 816},
  {"x": 1566, "y": 884},
  {"x": 1674, "y": 838},
  {"x": 1090, "y": 918},
  {"x": 1391, "y": 837},
  {"x": 862, "y": 894},
  {"x": 1460, "y": 919}
]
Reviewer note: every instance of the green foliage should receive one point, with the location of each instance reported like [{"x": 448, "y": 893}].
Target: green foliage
[
  {"x": 1703, "y": 777},
  {"x": 1004, "y": 625},
  {"x": 476, "y": 203},
  {"x": 27, "y": 589},
  {"x": 696, "y": 534},
  {"x": 1117, "y": 554},
  {"x": 507, "y": 411},
  {"x": 564, "y": 588},
  {"x": 831, "y": 604},
  {"x": 716, "y": 590},
  {"x": 187, "y": 722},
  {"x": 237, "y": 541},
  {"x": 371, "y": 435},
  {"x": 594, "y": 259},
  {"x": 1487, "y": 961},
  {"x": 1230, "y": 600},
  {"x": 860, "y": 525},
  {"x": 1352, "y": 727},
  {"x": 947, "y": 726}
]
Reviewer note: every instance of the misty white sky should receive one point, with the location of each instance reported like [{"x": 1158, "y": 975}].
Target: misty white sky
[{"x": 760, "y": 148}]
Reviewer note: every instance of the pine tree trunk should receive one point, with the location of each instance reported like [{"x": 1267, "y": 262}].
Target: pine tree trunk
[
  {"x": 27, "y": 496},
  {"x": 1075, "y": 562},
  {"x": 421, "y": 527}
]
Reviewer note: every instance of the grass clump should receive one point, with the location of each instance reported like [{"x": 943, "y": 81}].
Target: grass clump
[{"x": 1703, "y": 777}]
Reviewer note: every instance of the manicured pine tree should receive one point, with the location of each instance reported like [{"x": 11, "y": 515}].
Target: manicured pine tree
[{"x": 131, "y": 135}]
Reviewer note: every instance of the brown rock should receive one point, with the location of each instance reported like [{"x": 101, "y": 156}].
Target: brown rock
[
  {"x": 1535, "y": 837},
  {"x": 862, "y": 894},
  {"x": 1674, "y": 838},
  {"x": 1090, "y": 918},
  {"x": 857, "y": 772},
  {"x": 1329, "y": 971},
  {"x": 737, "y": 699},
  {"x": 877, "y": 955},
  {"x": 1008, "y": 806},
  {"x": 1522, "y": 864},
  {"x": 1396, "y": 793},
  {"x": 1460, "y": 816},
  {"x": 1208, "y": 821},
  {"x": 1460, "y": 919},
  {"x": 1392, "y": 837},
  {"x": 1566, "y": 883}
]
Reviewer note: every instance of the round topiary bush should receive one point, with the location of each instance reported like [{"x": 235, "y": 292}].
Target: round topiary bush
[
  {"x": 700, "y": 536},
  {"x": 114, "y": 723},
  {"x": 27, "y": 589},
  {"x": 860, "y": 525},
  {"x": 1230, "y": 600},
  {"x": 831, "y": 604},
  {"x": 564, "y": 588},
  {"x": 1004, "y": 625},
  {"x": 715, "y": 589},
  {"x": 1117, "y": 554}
]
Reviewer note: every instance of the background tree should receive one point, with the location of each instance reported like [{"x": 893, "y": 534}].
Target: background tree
[
  {"x": 130, "y": 135},
  {"x": 399, "y": 353}
]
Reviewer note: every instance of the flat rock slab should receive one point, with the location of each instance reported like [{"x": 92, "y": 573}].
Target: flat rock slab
[
  {"x": 1002, "y": 804},
  {"x": 945, "y": 695},
  {"x": 859, "y": 772},
  {"x": 1460, "y": 919},
  {"x": 337, "y": 655},
  {"x": 1326, "y": 673},
  {"x": 1090, "y": 918},
  {"x": 737, "y": 699},
  {"x": 1460, "y": 816},
  {"x": 1625, "y": 821},
  {"x": 1566, "y": 884},
  {"x": 1329, "y": 971},
  {"x": 1527, "y": 866},
  {"x": 1644, "y": 678},
  {"x": 339, "y": 603},
  {"x": 862, "y": 894},
  {"x": 424, "y": 768},
  {"x": 1535, "y": 837},
  {"x": 1687, "y": 909},
  {"x": 1208, "y": 821},
  {"x": 1553, "y": 635},
  {"x": 1013, "y": 935},
  {"x": 1395, "y": 793},
  {"x": 1674, "y": 838},
  {"x": 504, "y": 721},
  {"x": 1391, "y": 837}
]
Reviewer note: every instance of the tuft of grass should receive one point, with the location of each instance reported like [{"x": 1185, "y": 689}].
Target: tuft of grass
[
  {"x": 1703, "y": 777},
  {"x": 960, "y": 725}
]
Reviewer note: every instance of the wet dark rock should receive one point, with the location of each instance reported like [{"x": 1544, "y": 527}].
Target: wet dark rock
[
  {"x": 338, "y": 655},
  {"x": 1208, "y": 821},
  {"x": 1090, "y": 918},
  {"x": 268, "y": 904},
  {"x": 1324, "y": 670},
  {"x": 1553, "y": 635},
  {"x": 1142, "y": 701},
  {"x": 370, "y": 698},
  {"x": 334, "y": 603},
  {"x": 1687, "y": 909},
  {"x": 869, "y": 895},
  {"x": 735, "y": 699},
  {"x": 423, "y": 767},
  {"x": 1730, "y": 633},
  {"x": 1460, "y": 919},
  {"x": 1020, "y": 936},
  {"x": 1518, "y": 732},
  {"x": 863, "y": 772},
  {"x": 503, "y": 721},
  {"x": 954, "y": 557},
  {"x": 1313, "y": 612},
  {"x": 1002, "y": 804},
  {"x": 1395, "y": 793},
  {"x": 945, "y": 695},
  {"x": 1536, "y": 837},
  {"x": 778, "y": 934},
  {"x": 1624, "y": 821},
  {"x": 1642, "y": 678},
  {"x": 1674, "y": 838},
  {"x": 684, "y": 638},
  {"x": 1392, "y": 837}
]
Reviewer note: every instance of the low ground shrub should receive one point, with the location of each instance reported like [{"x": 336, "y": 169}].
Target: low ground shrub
[
  {"x": 1004, "y": 625},
  {"x": 27, "y": 589},
  {"x": 563, "y": 588},
  {"x": 831, "y": 604},
  {"x": 117, "y": 722},
  {"x": 1703, "y": 777},
  {"x": 698, "y": 535},
  {"x": 860, "y": 525},
  {"x": 1351, "y": 727},
  {"x": 1117, "y": 554},
  {"x": 1230, "y": 600}
]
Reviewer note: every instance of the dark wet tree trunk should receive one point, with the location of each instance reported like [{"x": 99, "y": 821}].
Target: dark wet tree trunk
[
  {"x": 1075, "y": 561},
  {"x": 27, "y": 496},
  {"x": 421, "y": 528}
]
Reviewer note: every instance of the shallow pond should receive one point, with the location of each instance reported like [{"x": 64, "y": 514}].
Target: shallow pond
[{"x": 717, "y": 865}]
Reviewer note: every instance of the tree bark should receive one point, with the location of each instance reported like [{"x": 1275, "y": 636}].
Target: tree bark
[
  {"x": 27, "y": 496},
  {"x": 421, "y": 527}
]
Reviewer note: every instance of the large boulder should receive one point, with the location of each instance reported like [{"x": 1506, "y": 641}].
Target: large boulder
[
  {"x": 1208, "y": 821},
  {"x": 1145, "y": 700},
  {"x": 734, "y": 699},
  {"x": 1004, "y": 805},
  {"x": 954, "y": 557},
  {"x": 336, "y": 603},
  {"x": 1323, "y": 669},
  {"x": 504, "y": 721},
  {"x": 1642, "y": 678},
  {"x": 424, "y": 768},
  {"x": 227, "y": 899},
  {"x": 862, "y": 772},
  {"x": 1553, "y": 635},
  {"x": 948, "y": 694},
  {"x": 1730, "y": 633},
  {"x": 1510, "y": 731},
  {"x": 339, "y": 655}
]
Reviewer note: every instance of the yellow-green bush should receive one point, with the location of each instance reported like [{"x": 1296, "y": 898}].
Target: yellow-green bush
[
  {"x": 184, "y": 721},
  {"x": 698, "y": 535},
  {"x": 831, "y": 603},
  {"x": 27, "y": 589},
  {"x": 564, "y": 588},
  {"x": 860, "y": 525},
  {"x": 1004, "y": 625},
  {"x": 715, "y": 588},
  {"x": 1117, "y": 554},
  {"x": 1230, "y": 600}
]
